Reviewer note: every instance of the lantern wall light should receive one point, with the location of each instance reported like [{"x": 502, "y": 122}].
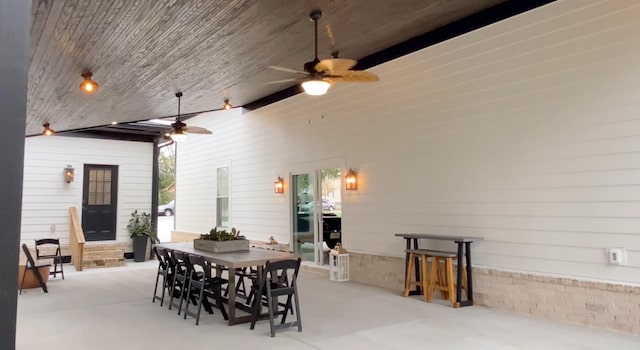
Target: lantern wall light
[
  {"x": 351, "y": 180},
  {"x": 68, "y": 174},
  {"x": 278, "y": 185}
]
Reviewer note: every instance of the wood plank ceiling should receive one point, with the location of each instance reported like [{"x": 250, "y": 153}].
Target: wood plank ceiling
[{"x": 143, "y": 51}]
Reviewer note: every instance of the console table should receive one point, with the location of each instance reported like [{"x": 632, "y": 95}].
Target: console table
[{"x": 464, "y": 251}]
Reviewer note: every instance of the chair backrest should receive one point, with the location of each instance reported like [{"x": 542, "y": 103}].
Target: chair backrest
[
  {"x": 161, "y": 259},
  {"x": 281, "y": 273},
  {"x": 47, "y": 241},
  {"x": 180, "y": 265},
  {"x": 197, "y": 263},
  {"x": 166, "y": 256},
  {"x": 30, "y": 260}
]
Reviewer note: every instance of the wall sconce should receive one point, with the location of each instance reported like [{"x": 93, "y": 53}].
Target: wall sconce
[
  {"x": 68, "y": 174},
  {"x": 278, "y": 186},
  {"x": 351, "y": 180}
]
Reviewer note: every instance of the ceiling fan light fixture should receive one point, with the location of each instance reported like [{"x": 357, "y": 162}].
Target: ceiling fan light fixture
[
  {"x": 178, "y": 136},
  {"x": 88, "y": 85},
  {"x": 316, "y": 87},
  {"x": 47, "y": 131},
  {"x": 227, "y": 105}
]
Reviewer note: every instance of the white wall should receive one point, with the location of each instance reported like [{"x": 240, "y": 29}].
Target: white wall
[
  {"x": 46, "y": 197},
  {"x": 525, "y": 133}
]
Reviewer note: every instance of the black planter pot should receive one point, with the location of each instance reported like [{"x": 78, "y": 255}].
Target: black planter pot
[{"x": 139, "y": 248}]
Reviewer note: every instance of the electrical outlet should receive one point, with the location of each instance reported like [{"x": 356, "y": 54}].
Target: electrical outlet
[
  {"x": 53, "y": 228},
  {"x": 616, "y": 256}
]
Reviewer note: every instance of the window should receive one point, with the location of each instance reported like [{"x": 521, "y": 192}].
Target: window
[
  {"x": 99, "y": 187},
  {"x": 222, "y": 199}
]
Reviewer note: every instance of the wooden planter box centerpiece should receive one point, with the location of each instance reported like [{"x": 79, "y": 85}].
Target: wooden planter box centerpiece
[{"x": 221, "y": 241}]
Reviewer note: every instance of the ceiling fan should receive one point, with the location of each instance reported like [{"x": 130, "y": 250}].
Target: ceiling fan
[
  {"x": 318, "y": 76},
  {"x": 181, "y": 130}
]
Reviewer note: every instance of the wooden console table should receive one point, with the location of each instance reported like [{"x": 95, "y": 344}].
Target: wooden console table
[{"x": 464, "y": 250}]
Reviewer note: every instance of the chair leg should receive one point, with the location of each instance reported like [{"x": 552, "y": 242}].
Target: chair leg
[
  {"x": 257, "y": 308},
  {"x": 433, "y": 280},
  {"x": 186, "y": 307},
  {"x": 298, "y": 317},
  {"x": 24, "y": 274},
  {"x": 449, "y": 278},
  {"x": 424, "y": 280},
  {"x": 155, "y": 289},
  {"x": 218, "y": 294},
  {"x": 185, "y": 285},
  {"x": 164, "y": 288},
  {"x": 200, "y": 297},
  {"x": 407, "y": 279},
  {"x": 61, "y": 268},
  {"x": 173, "y": 290},
  {"x": 271, "y": 317}
]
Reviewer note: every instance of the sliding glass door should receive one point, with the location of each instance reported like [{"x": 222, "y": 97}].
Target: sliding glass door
[{"x": 317, "y": 213}]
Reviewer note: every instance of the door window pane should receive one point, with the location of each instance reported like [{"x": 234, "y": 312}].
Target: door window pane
[
  {"x": 222, "y": 198},
  {"x": 99, "y": 187}
]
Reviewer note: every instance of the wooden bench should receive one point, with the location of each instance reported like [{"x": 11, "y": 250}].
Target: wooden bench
[{"x": 435, "y": 280}]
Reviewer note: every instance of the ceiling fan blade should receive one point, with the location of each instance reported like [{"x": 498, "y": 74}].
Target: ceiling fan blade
[
  {"x": 282, "y": 81},
  {"x": 354, "y": 76},
  {"x": 289, "y": 70},
  {"x": 335, "y": 66},
  {"x": 197, "y": 130}
]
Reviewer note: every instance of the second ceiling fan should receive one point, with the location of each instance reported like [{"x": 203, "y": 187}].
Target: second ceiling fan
[
  {"x": 319, "y": 75},
  {"x": 180, "y": 130}
]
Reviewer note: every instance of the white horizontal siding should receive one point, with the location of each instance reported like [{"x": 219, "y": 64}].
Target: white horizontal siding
[
  {"x": 525, "y": 133},
  {"x": 47, "y": 198}
]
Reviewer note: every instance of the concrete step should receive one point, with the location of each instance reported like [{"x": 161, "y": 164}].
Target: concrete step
[{"x": 103, "y": 258}]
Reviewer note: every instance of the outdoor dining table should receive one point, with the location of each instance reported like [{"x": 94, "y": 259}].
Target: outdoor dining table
[
  {"x": 254, "y": 257},
  {"x": 464, "y": 251}
]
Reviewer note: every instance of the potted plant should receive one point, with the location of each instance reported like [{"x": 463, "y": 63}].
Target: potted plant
[
  {"x": 140, "y": 230},
  {"x": 219, "y": 241}
]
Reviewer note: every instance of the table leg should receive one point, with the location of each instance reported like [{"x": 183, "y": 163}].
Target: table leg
[
  {"x": 469, "y": 281},
  {"x": 232, "y": 297},
  {"x": 418, "y": 290},
  {"x": 459, "y": 275}
]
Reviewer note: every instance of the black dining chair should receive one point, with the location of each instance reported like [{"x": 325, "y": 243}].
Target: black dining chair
[
  {"x": 279, "y": 278},
  {"x": 163, "y": 270},
  {"x": 202, "y": 285},
  {"x": 31, "y": 265},
  {"x": 180, "y": 279},
  {"x": 44, "y": 247}
]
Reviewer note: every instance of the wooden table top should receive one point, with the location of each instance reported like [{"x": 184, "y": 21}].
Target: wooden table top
[
  {"x": 439, "y": 237},
  {"x": 252, "y": 257}
]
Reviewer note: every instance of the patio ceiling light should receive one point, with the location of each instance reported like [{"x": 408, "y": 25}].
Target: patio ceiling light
[
  {"x": 316, "y": 87},
  {"x": 47, "y": 131},
  {"x": 88, "y": 85},
  {"x": 227, "y": 104}
]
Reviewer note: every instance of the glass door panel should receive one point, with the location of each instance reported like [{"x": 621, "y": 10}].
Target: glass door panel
[
  {"x": 302, "y": 189},
  {"x": 331, "y": 208}
]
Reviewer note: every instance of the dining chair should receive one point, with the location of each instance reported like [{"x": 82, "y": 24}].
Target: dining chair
[
  {"x": 31, "y": 265},
  {"x": 45, "y": 245},
  {"x": 279, "y": 278},
  {"x": 163, "y": 270},
  {"x": 202, "y": 285},
  {"x": 180, "y": 279}
]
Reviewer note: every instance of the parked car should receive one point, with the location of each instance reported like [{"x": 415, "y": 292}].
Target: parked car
[
  {"x": 167, "y": 209},
  {"x": 308, "y": 207}
]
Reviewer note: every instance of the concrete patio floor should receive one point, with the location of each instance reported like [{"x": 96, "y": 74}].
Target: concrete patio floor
[{"x": 112, "y": 309}]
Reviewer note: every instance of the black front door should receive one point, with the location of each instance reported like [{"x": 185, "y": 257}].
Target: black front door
[{"x": 99, "y": 202}]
